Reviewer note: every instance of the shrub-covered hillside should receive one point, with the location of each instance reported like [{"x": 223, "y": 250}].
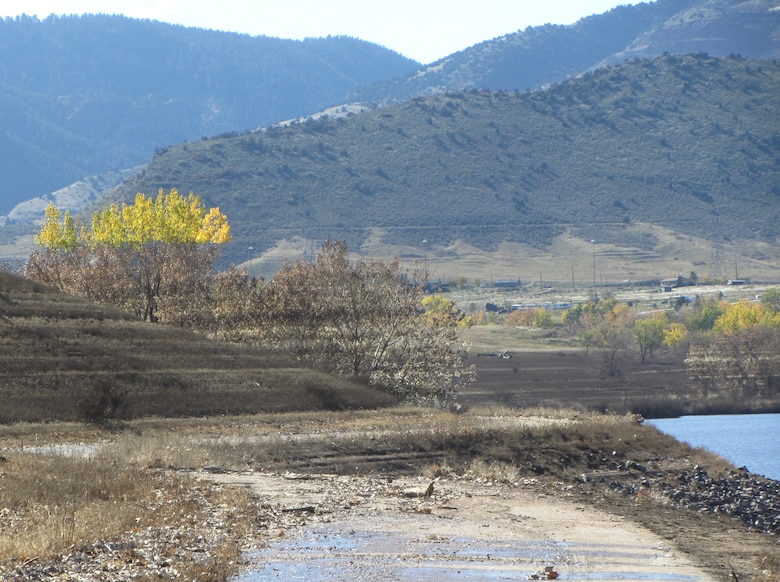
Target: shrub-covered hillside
[
  {"x": 62, "y": 358},
  {"x": 687, "y": 143}
]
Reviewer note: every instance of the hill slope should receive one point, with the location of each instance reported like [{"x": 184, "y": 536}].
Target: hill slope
[
  {"x": 687, "y": 144},
  {"x": 531, "y": 58},
  {"x": 62, "y": 358},
  {"x": 80, "y": 96},
  {"x": 83, "y": 95}
]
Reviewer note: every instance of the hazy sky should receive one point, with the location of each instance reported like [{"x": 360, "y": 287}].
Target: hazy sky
[{"x": 424, "y": 30}]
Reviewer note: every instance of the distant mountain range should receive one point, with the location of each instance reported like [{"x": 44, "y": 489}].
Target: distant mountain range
[
  {"x": 536, "y": 56},
  {"x": 80, "y": 96},
  {"x": 687, "y": 144}
]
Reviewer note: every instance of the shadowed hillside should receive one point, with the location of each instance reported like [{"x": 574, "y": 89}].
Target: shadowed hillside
[
  {"x": 83, "y": 95},
  {"x": 686, "y": 144},
  {"x": 536, "y": 56},
  {"x": 62, "y": 358}
]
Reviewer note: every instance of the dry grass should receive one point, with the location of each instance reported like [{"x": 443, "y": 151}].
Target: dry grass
[
  {"x": 552, "y": 442},
  {"x": 53, "y": 505},
  {"x": 53, "y": 502}
]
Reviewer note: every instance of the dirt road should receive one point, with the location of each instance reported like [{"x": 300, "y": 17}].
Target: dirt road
[{"x": 364, "y": 528}]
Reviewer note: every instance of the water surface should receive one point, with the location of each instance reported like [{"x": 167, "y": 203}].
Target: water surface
[{"x": 746, "y": 440}]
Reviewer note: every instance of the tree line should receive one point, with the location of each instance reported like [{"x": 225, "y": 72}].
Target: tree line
[
  {"x": 367, "y": 319},
  {"x": 731, "y": 350}
]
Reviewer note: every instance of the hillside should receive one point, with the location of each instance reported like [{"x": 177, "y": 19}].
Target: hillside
[
  {"x": 62, "y": 358},
  {"x": 80, "y": 96},
  {"x": 636, "y": 157},
  {"x": 83, "y": 96},
  {"x": 536, "y": 56},
  {"x": 720, "y": 27}
]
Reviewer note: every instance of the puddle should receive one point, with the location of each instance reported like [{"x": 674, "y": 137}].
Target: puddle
[{"x": 330, "y": 553}]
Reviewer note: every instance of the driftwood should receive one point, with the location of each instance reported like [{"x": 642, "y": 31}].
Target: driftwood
[
  {"x": 304, "y": 509},
  {"x": 416, "y": 492}
]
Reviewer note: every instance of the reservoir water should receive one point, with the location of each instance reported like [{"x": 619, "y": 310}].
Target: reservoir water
[{"x": 749, "y": 440}]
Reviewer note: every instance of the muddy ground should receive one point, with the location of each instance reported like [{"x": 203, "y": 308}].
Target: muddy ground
[
  {"x": 346, "y": 500},
  {"x": 576, "y": 378},
  {"x": 366, "y": 516}
]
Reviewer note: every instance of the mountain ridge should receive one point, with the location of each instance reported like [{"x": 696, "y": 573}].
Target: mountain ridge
[
  {"x": 612, "y": 110},
  {"x": 83, "y": 95},
  {"x": 685, "y": 143},
  {"x": 531, "y": 58}
]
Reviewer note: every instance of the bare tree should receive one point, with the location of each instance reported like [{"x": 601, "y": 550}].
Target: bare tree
[
  {"x": 364, "y": 319},
  {"x": 611, "y": 347},
  {"x": 743, "y": 364}
]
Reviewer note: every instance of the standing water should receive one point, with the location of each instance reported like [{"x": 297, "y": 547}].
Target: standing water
[{"x": 749, "y": 440}]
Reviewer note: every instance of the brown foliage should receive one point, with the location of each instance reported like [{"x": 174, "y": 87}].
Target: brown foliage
[
  {"x": 157, "y": 281},
  {"x": 358, "y": 320},
  {"x": 743, "y": 364}
]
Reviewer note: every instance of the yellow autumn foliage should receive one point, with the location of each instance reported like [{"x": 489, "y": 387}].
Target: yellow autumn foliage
[
  {"x": 675, "y": 334},
  {"x": 57, "y": 231},
  {"x": 170, "y": 218},
  {"x": 746, "y": 315}
]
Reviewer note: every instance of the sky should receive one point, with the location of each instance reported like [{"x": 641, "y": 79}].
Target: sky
[{"x": 424, "y": 30}]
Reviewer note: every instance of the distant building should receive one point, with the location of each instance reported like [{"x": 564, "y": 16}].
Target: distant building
[
  {"x": 511, "y": 283},
  {"x": 668, "y": 285}
]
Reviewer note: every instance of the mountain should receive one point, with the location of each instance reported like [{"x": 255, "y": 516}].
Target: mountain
[
  {"x": 750, "y": 28},
  {"x": 75, "y": 197},
  {"x": 83, "y": 96},
  {"x": 537, "y": 56},
  {"x": 686, "y": 145},
  {"x": 80, "y": 96}
]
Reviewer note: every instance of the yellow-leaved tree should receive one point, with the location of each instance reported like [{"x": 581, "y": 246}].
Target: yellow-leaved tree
[
  {"x": 740, "y": 356},
  {"x": 153, "y": 256},
  {"x": 746, "y": 315},
  {"x": 58, "y": 231},
  {"x": 169, "y": 219}
]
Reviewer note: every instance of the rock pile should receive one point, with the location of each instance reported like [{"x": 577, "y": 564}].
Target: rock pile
[{"x": 753, "y": 499}]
